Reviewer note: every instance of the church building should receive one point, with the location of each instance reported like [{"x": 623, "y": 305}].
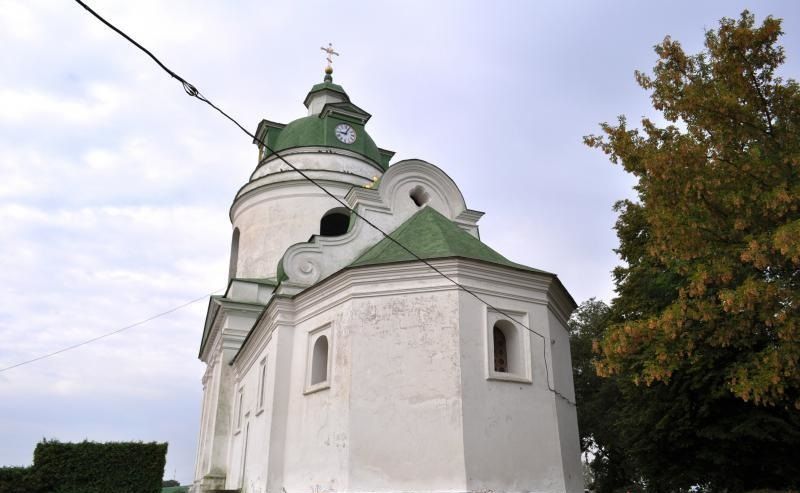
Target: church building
[{"x": 338, "y": 361}]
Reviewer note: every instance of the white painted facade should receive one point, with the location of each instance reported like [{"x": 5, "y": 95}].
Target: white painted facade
[{"x": 326, "y": 377}]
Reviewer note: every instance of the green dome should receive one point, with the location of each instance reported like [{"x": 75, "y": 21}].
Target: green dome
[
  {"x": 312, "y": 131},
  {"x": 329, "y": 106}
]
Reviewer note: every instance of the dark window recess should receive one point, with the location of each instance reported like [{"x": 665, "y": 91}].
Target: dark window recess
[
  {"x": 234, "y": 254},
  {"x": 334, "y": 224},
  {"x": 500, "y": 351}
]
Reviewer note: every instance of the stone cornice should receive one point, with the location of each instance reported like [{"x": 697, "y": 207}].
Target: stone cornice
[
  {"x": 562, "y": 302},
  {"x": 213, "y": 331},
  {"x": 482, "y": 278}
]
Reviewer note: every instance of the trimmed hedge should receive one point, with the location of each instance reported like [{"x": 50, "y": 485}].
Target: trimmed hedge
[
  {"x": 17, "y": 480},
  {"x": 89, "y": 467}
]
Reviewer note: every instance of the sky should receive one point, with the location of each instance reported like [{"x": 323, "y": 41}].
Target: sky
[{"x": 115, "y": 186}]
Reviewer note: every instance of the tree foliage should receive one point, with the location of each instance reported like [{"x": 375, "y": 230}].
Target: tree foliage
[
  {"x": 714, "y": 237},
  {"x": 688, "y": 434},
  {"x": 697, "y": 384}
]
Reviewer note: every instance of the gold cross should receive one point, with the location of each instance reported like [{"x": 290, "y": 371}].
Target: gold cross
[{"x": 330, "y": 52}]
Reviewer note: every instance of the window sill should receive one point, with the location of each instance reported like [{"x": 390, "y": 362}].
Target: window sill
[
  {"x": 317, "y": 387},
  {"x": 508, "y": 377}
]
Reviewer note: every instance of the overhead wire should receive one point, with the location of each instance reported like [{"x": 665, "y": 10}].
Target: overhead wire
[
  {"x": 192, "y": 91},
  {"x": 107, "y": 334}
]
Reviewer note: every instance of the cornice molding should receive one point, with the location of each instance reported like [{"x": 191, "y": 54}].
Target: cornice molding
[{"x": 403, "y": 278}]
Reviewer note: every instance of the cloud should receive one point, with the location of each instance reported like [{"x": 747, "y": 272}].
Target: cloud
[
  {"x": 18, "y": 22},
  {"x": 29, "y": 105}
]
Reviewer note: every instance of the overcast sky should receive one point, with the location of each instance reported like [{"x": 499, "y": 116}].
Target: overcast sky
[{"x": 115, "y": 186}]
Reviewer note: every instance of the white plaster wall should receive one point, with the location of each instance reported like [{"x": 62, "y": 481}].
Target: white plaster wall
[
  {"x": 312, "y": 159},
  {"x": 256, "y": 421},
  {"x": 272, "y": 220},
  {"x": 565, "y": 407},
  {"x": 321, "y": 99},
  {"x": 219, "y": 433},
  {"x": 279, "y": 208},
  {"x": 391, "y": 418},
  {"x": 206, "y": 422},
  {"x": 405, "y": 417},
  {"x": 409, "y": 407},
  {"x": 511, "y": 432},
  {"x": 316, "y": 442}
]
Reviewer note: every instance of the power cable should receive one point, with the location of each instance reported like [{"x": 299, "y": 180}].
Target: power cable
[
  {"x": 192, "y": 91},
  {"x": 107, "y": 334}
]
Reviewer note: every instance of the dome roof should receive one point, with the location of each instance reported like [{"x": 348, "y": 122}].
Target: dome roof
[
  {"x": 318, "y": 130},
  {"x": 329, "y": 106}
]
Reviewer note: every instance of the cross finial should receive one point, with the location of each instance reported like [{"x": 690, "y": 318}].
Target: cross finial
[{"x": 329, "y": 68}]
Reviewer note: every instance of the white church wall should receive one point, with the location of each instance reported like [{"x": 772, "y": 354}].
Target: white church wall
[
  {"x": 398, "y": 352},
  {"x": 252, "y": 421},
  {"x": 271, "y": 220},
  {"x": 316, "y": 442},
  {"x": 319, "y": 161},
  {"x": 405, "y": 421},
  {"x": 217, "y": 433},
  {"x": 512, "y": 439},
  {"x": 565, "y": 406}
]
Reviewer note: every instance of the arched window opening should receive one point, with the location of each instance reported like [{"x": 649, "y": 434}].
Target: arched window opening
[
  {"x": 334, "y": 222},
  {"x": 500, "y": 351},
  {"x": 319, "y": 362},
  {"x": 234, "y": 254},
  {"x": 419, "y": 196},
  {"x": 506, "y": 348}
]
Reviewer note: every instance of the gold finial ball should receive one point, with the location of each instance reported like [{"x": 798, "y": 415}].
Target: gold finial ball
[{"x": 329, "y": 70}]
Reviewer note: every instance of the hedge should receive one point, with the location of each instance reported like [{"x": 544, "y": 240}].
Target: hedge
[
  {"x": 17, "y": 480},
  {"x": 89, "y": 467}
]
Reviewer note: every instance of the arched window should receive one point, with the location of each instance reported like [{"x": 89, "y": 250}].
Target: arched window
[
  {"x": 319, "y": 362},
  {"x": 334, "y": 222},
  {"x": 506, "y": 348},
  {"x": 234, "y": 254},
  {"x": 500, "y": 351}
]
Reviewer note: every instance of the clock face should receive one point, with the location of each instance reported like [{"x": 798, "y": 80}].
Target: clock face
[{"x": 345, "y": 133}]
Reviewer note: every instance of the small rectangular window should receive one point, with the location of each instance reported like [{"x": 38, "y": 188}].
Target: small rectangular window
[
  {"x": 239, "y": 405},
  {"x": 262, "y": 383}
]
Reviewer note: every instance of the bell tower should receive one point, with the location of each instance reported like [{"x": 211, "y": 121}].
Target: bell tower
[
  {"x": 274, "y": 210},
  {"x": 278, "y": 207}
]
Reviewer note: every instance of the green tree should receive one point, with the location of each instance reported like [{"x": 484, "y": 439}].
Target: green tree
[
  {"x": 677, "y": 436},
  {"x": 702, "y": 343},
  {"x": 719, "y": 191},
  {"x": 597, "y": 398},
  {"x": 719, "y": 195}
]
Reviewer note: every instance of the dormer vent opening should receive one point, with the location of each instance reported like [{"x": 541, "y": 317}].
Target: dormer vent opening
[
  {"x": 419, "y": 196},
  {"x": 334, "y": 222}
]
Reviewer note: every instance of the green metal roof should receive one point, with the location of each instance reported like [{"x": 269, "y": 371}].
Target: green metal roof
[
  {"x": 330, "y": 86},
  {"x": 430, "y": 235},
  {"x": 316, "y": 131}
]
